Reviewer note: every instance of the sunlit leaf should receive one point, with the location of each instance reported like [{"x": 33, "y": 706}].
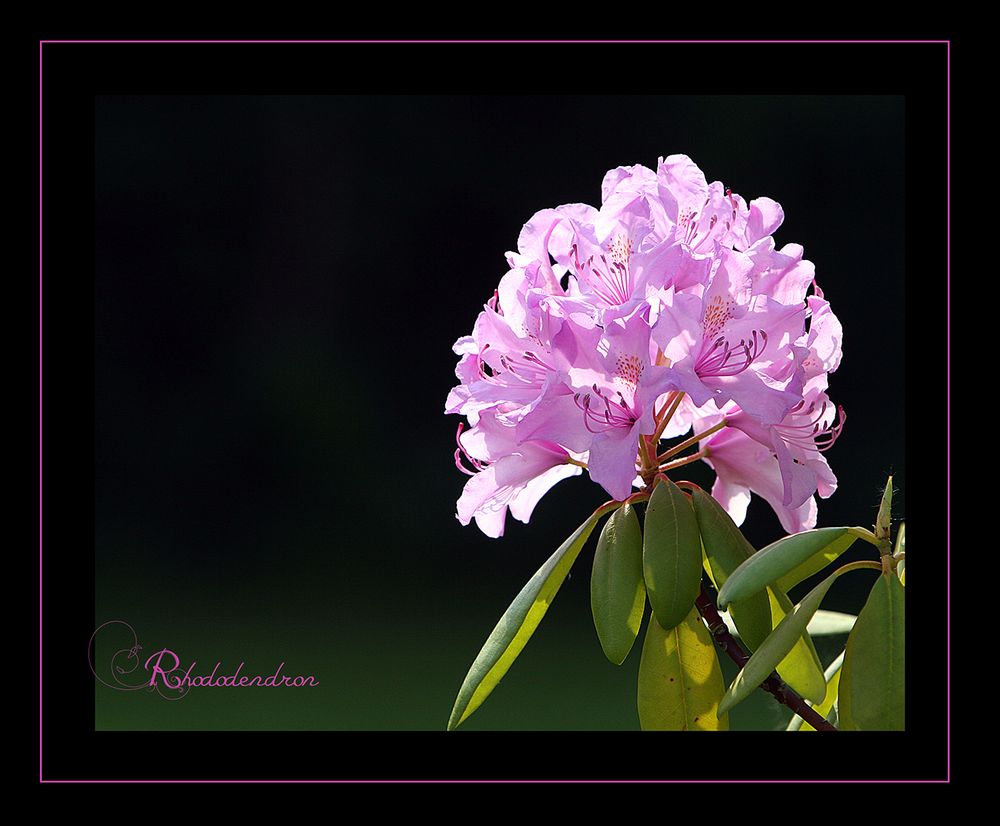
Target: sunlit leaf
[
  {"x": 671, "y": 554},
  {"x": 780, "y": 558},
  {"x": 776, "y": 647},
  {"x": 823, "y": 623},
  {"x": 832, "y": 675},
  {"x": 872, "y": 684},
  {"x": 680, "y": 679},
  {"x": 801, "y": 667},
  {"x": 617, "y": 594},
  {"x": 829, "y": 623},
  {"x": 725, "y": 550},
  {"x": 517, "y": 625}
]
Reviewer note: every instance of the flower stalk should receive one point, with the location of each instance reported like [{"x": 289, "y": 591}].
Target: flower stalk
[
  {"x": 693, "y": 440},
  {"x": 687, "y": 460}
]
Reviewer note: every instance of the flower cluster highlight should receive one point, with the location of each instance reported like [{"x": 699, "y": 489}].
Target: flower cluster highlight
[{"x": 667, "y": 311}]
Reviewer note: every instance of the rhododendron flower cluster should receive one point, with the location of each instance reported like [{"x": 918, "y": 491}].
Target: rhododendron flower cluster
[{"x": 667, "y": 311}]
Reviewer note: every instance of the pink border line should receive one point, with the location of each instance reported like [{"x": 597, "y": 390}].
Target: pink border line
[
  {"x": 947, "y": 43},
  {"x": 948, "y": 401},
  {"x": 519, "y": 782},
  {"x": 40, "y": 776},
  {"x": 501, "y": 42}
]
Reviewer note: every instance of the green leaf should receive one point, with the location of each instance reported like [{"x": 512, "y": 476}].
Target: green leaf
[
  {"x": 883, "y": 522},
  {"x": 830, "y": 623},
  {"x": 823, "y": 623},
  {"x": 865, "y": 534},
  {"x": 816, "y": 563},
  {"x": 779, "y": 558},
  {"x": 517, "y": 625},
  {"x": 801, "y": 667},
  {"x": 832, "y": 676},
  {"x": 872, "y": 684},
  {"x": 617, "y": 593},
  {"x": 725, "y": 550},
  {"x": 680, "y": 679},
  {"x": 671, "y": 554},
  {"x": 776, "y": 647}
]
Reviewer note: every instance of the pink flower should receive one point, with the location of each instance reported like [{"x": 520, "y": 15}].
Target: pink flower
[
  {"x": 782, "y": 463},
  {"x": 703, "y": 215},
  {"x": 732, "y": 344},
  {"x": 824, "y": 339},
  {"x": 499, "y": 369},
  {"x": 667, "y": 308},
  {"x": 614, "y": 384},
  {"x": 618, "y": 406},
  {"x": 505, "y": 475}
]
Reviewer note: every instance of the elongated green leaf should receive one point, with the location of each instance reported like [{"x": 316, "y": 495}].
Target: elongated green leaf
[
  {"x": 801, "y": 667},
  {"x": 830, "y": 623},
  {"x": 883, "y": 522},
  {"x": 617, "y": 593},
  {"x": 680, "y": 679},
  {"x": 517, "y": 625},
  {"x": 671, "y": 554},
  {"x": 779, "y": 558},
  {"x": 832, "y": 675},
  {"x": 823, "y": 623},
  {"x": 776, "y": 647},
  {"x": 817, "y": 562},
  {"x": 725, "y": 550},
  {"x": 872, "y": 684}
]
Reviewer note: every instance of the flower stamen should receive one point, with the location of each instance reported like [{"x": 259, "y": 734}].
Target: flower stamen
[
  {"x": 617, "y": 412},
  {"x": 723, "y": 359},
  {"x": 814, "y": 434},
  {"x": 461, "y": 451}
]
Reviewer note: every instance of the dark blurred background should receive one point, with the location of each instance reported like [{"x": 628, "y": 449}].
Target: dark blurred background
[{"x": 279, "y": 283}]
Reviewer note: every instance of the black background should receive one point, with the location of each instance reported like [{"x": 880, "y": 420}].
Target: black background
[{"x": 277, "y": 279}]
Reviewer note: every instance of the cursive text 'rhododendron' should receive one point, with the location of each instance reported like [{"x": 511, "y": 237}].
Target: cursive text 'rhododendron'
[{"x": 664, "y": 327}]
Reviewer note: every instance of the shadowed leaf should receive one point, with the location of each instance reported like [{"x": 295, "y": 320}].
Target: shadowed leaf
[
  {"x": 725, "y": 550},
  {"x": 617, "y": 593},
  {"x": 872, "y": 684},
  {"x": 781, "y": 558},
  {"x": 671, "y": 554}
]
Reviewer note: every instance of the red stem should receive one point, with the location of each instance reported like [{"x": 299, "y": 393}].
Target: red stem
[{"x": 773, "y": 685}]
